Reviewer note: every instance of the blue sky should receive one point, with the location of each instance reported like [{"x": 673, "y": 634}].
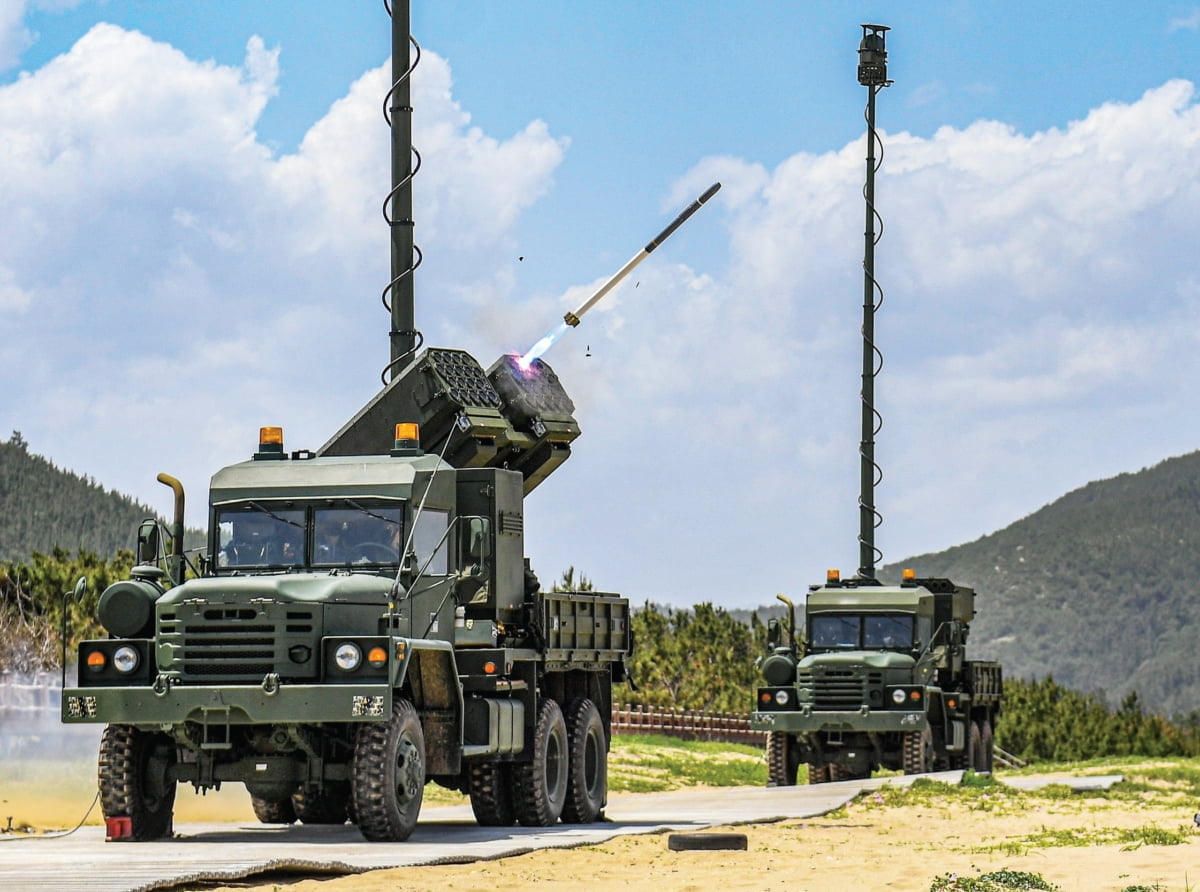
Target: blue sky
[{"x": 191, "y": 248}]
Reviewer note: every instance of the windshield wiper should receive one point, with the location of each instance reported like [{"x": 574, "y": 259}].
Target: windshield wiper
[
  {"x": 367, "y": 511},
  {"x": 267, "y": 511}
]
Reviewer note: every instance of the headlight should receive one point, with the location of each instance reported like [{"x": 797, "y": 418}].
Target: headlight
[
  {"x": 898, "y": 696},
  {"x": 347, "y": 657},
  {"x": 125, "y": 659},
  {"x": 781, "y": 697}
]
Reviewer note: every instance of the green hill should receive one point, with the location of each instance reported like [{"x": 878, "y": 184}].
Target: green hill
[
  {"x": 1097, "y": 589},
  {"x": 43, "y": 506}
]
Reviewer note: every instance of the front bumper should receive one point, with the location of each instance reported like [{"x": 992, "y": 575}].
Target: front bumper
[
  {"x": 228, "y": 705},
  {"x": 806, "y": 720}
]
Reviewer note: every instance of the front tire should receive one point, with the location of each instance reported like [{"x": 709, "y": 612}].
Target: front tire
[
  {"x": 587, "y": 763},
  {"x": 388, "y": 775},
  {"x": 782, "y": 760},
  {"x": 918, "y": 752},
  {"x": 540, "y": 786},
  {"x": 135, "y": 782}
]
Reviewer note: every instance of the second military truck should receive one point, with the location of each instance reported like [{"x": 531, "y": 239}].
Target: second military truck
[{"x": 876, "y": 677}]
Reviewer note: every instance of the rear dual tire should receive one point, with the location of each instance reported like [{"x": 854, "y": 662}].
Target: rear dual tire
[
  {"x": 587, "y": 763},
  {"x": 540, "y": 785},
  {"x": 490, "y": 786},
  {"x": 984, "y": 759}
]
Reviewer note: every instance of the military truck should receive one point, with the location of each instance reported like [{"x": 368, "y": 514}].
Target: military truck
[
  {"x": 876, "y": 677},
  {"x": 363, "y": 619},
  {"x": 363, "y": 623}
]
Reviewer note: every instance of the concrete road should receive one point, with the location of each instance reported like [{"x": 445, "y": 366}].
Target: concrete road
[{"x": 446, "y": 834}]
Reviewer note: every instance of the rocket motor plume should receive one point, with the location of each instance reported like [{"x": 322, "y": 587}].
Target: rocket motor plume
[{"x": 541, "y": 347}]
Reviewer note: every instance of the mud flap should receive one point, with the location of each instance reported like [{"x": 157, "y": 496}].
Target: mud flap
[{"x": 117, "y": 829}]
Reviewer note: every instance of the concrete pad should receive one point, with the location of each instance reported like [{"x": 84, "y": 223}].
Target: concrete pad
[{"x": 447, "y": 834}]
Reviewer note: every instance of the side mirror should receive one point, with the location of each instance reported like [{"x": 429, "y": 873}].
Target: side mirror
[
  {"x": 477, "y": 539},
  {"x": 79, "y": 591},
  {"x": 148, "y": 542},
  {"x": 774, "y": 634}
]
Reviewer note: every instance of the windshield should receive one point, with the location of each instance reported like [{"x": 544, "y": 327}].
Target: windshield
[
  {"x": 253, "y": 535},
  {"x": 357, "y": 535},
  {"x": 334, "y": 533},
  {"x": 857, "y": 631}
]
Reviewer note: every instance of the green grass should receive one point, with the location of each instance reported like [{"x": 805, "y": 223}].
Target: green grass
[
  {"x": 655, "y": 763},
  {"x": 1127, "y": 838},
  {"x": 1004, "y": 880}
]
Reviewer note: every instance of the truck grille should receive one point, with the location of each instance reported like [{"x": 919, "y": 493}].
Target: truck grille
[
  {"x": 224, "y": 643},
  {"x": 839, "y": 688}
]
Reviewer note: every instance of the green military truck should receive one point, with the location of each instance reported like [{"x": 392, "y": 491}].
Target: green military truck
[
  {"x": 876, "y": 678},
  {"x": 364, "y": 621}
]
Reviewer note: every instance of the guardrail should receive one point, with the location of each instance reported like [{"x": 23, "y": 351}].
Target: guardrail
[
  {"x": 722, "y": 727},
  {"x": 1008, "y": 760}
]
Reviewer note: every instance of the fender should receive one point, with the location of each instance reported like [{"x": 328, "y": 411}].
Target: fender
[{"x": 425, "y": 672}]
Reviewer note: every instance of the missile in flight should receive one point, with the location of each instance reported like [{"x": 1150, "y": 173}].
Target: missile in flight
[{"x": 572, "y": 319}]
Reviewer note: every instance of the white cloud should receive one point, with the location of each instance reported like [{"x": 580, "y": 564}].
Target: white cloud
[
  {"x": 12, "y": 296},
  {"x": 168, "y": 284},
  {"x": 927, "y": 94},
  {"x": 15, "y": 38},
  {"x": 1039, "y": 330},
  {"x": 1189, "y": 22},
  {"x": 171, "y": 273},
  {"x": 1040, "y": 298}
]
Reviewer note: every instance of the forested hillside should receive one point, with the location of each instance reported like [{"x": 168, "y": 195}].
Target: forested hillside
[
  {"x": 1100, "y": 589},
  {"x": 43, "y": 507}
]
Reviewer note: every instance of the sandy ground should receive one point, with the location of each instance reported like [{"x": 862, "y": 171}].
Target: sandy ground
[
  {"x": 896, "y": 848},
  {"x": 872, "y": 844}
]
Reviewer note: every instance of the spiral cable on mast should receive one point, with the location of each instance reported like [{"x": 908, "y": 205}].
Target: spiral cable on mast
[
  {"x": 875, "y": 424},
  {"x": 402, "y": 268}
]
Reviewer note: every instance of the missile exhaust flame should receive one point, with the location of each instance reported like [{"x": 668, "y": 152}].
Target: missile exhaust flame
[
  {"x": 572, "y": 319},
  {"x": 541, "y": 347}
]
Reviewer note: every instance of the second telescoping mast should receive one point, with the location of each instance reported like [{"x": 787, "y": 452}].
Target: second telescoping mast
[{"x": 872, "y": 74}]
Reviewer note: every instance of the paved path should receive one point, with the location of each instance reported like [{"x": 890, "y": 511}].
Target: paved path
[{"x": 445, "y": 834}]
